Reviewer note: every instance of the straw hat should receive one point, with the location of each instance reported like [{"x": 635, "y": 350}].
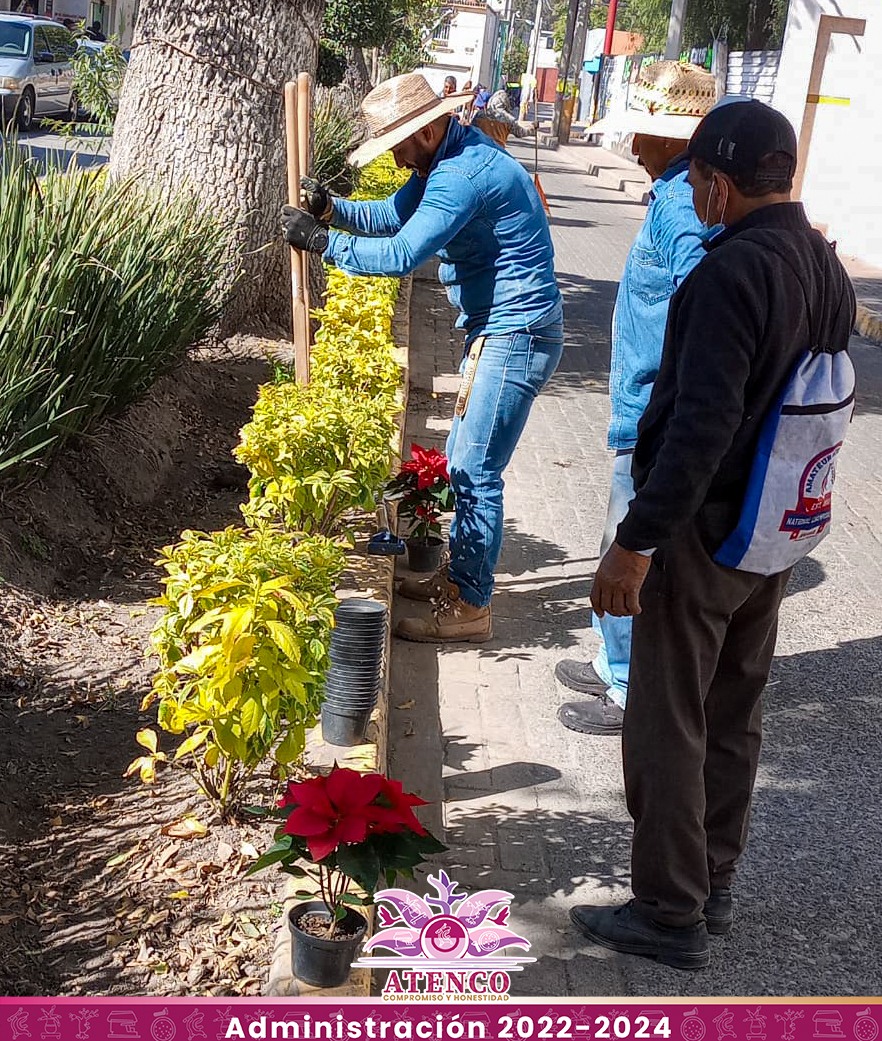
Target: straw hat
[
  {"x": 670, "y": 98},
  {"x": 399, "y": 107}
]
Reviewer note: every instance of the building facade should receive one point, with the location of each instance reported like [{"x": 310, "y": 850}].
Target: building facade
[
  {"x": 116, "y": 17},
  {"x": 828, "y": 85},
  {"x": 464, "y": 45}
]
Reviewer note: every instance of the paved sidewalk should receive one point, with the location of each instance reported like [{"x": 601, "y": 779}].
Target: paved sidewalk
[
  {"x": 610, "y": 170},
  {"x": 527, "y": 806}
]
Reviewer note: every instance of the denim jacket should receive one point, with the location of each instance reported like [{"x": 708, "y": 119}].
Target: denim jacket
[
  {"x": 668, "y": 246},
  {"x": 480, "y": 213}
]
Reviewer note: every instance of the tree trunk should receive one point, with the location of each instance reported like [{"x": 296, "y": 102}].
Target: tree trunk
[
  {"x": 759, "y": 20},
  {"x": 357, "y": 79},
  {"x": 202, "y": 108}
]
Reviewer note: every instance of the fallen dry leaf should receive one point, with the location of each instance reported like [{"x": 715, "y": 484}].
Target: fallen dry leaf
[
  {"x": 188, "y": 827},
  {"x": 121, "y": 858},
  {"x": 167, "y": 855},
  {"x": 405, "y": 705},
  {"x": 248, "y": 851}
]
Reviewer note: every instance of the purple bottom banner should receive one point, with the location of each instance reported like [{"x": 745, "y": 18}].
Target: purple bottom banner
[{"x": 401, "y": 1016}]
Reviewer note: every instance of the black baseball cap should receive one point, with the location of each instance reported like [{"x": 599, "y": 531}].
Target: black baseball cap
[{"x": 733, "y": 138}]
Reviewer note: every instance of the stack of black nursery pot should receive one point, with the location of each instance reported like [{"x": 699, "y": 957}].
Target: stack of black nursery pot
[{"x": 353, "y": 683}]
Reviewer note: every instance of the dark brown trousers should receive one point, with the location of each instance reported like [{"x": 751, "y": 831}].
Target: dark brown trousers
[{"x": 700, "y": 657}]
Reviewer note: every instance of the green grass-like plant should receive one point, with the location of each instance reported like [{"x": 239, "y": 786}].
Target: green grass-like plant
[{"x": 102, "y": 288}]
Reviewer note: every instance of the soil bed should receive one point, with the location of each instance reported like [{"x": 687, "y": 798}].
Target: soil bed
[{"x": 99, "y": 893}]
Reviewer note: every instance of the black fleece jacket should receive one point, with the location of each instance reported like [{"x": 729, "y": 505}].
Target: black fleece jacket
[{"x": 769, "y": 288}]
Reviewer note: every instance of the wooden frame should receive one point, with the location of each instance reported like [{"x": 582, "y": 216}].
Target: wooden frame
[{"x": 827, "y": 26}]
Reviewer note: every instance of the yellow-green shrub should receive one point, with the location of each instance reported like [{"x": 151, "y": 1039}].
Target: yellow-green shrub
[
  {"x": 314, "y": 453},
  {"x": 354, "y": 349},
  {"x": 380, "y": 179},
  {"x": 242, "y": 647}
]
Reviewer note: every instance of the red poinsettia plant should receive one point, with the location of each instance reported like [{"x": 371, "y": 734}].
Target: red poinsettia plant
[
  {"x": 347, "y": 828},
  {"x": 422, "y": 487}
]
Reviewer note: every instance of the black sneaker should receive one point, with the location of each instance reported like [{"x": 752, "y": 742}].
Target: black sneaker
[
  {"x": 718, "y": 914},
  {"x": 597, "y": 716},
  {"x": 626, "y": 930},
  {"x": 580, "y": 677}
]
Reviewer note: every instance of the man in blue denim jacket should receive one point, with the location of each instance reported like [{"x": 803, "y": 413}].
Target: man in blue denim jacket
[
  {"x": 475, "y": 207},
  {"x": 668, "y": 246}
]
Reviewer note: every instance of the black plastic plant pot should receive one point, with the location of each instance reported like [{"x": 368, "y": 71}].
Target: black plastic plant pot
[
  {"x": 357, "y": 612},
  {"x": 320, "y": 962},
  {"x": 355, "y": 676},
  {"x": 344, "y": 727},
  {"x": 424, "y": 554},
  {"x": 349, "y": 699}
]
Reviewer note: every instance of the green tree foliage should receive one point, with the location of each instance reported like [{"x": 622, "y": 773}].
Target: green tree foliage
[
  {"x": 360, "y": 23},
  {"x": 396, "y": 27},
  {"x": 745, "y": 24},
  {"x": 514, "y": 64}
]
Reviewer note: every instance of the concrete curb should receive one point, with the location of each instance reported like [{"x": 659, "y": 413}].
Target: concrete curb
[
  {"x": 868, "y": 324},
  {"x": 371, "y": 756}
]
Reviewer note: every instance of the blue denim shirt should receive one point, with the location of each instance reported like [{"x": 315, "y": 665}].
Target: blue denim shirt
[
  {"x": 668, "y": 246},
  {"x": 479, "y": 211}
]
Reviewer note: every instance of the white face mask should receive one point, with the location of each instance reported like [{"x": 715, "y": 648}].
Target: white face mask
[
  {"x": 710, "y": 230},
  {"x": 720, "y": 223}
]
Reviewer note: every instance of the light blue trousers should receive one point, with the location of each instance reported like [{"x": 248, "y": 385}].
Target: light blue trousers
[{"x": 614, "y": 657}]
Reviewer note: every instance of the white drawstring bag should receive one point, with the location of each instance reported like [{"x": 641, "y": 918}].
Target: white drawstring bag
[{"x": 787, "y": 509}]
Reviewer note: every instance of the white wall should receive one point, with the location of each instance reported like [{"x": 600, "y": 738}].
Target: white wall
[
  {"x": 753, "y": 74},
  {"x": 843, "y": 179}
]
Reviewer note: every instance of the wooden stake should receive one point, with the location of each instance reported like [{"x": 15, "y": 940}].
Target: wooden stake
[
  {"x": 301, "y": 314},
  {"x": 304, "y": 125}
]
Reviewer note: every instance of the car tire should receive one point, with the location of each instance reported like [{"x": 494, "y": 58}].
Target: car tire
[{"x": 24, "y": 110}]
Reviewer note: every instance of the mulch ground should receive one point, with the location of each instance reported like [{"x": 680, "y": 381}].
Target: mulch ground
[{"x": 108, "y": 886}]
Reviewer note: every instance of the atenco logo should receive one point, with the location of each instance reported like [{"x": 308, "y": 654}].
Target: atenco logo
[{"x": 451, "y": 944}]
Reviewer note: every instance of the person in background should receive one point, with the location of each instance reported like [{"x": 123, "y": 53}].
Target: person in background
[
  {"x": 482, "y": 96},
  {"x": 449, "y": 86},
  {"x": 473, "y": 205},
  {"x": 499, "y": 109},
  {"x": 670, "y": 99},
  {"x": 770, "y": 291},
  {"x": 94, "y": 32}
]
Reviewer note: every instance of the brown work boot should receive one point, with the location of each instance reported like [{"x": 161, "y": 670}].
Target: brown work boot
[
  {"x": 435, "y": 587},
  {"x": 453, "y": 621}
]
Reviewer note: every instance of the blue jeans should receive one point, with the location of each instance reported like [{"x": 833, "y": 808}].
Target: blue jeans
[
  {"x": 512, "y": 369},
  {"x": 614, "y": 657}
]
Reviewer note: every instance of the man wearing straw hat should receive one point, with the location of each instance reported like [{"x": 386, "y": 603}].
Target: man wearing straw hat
[
  {"x": 474, "y": 206},
  {"x": 669, "y": 101}
]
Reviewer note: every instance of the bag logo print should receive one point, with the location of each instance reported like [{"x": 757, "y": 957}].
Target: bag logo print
[{"x": 813, "y": 510}]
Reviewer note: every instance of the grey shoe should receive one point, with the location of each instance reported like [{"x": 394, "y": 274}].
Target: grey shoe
[
  {"x": 597, "y": 716},
  {"x": 580, "y": 677}
]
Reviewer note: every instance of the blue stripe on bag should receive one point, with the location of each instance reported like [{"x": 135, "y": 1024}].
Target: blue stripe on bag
[{"x": 732, "y": 551}]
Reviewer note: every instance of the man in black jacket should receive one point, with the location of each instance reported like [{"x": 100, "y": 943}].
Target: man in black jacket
[{"x": 704, "y": 634}]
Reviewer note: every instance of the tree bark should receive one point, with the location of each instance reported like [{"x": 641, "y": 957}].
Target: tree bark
[
  {"x": 202, "y": 110},
  {"x": 357, "y": 79},
  {"x": 759, "y": 19}
]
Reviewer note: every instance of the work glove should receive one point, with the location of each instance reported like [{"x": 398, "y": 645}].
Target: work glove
[
  {"x": 316, "y": 199},
  {"x": 303, "y": 231}
]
